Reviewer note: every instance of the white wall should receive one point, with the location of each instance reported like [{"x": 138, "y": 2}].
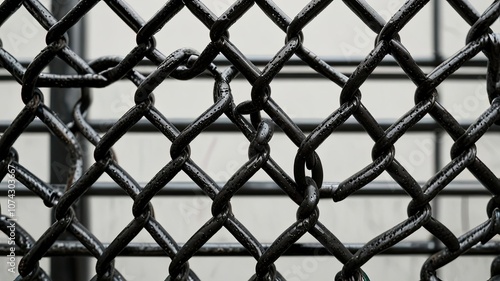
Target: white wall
[{"x": 336, "y": 33}]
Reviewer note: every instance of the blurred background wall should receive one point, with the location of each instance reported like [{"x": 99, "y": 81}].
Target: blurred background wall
[{"x": 335, "y": 34}]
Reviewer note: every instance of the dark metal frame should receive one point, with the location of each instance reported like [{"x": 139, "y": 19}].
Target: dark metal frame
[{"x": 73, "y": 267}]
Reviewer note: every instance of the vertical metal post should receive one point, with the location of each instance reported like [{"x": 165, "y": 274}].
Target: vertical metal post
[
  {"x": 437, "y": 60},
  {"x": 62, "y": 101},
  {"x": 438, "y": 134},
  {"x": 436, "y": 36}
]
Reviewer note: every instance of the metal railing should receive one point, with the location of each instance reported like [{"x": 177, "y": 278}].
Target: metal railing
[{"x": 69, "y": 236}]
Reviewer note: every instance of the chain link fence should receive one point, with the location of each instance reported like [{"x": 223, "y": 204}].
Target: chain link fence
[{"x": 62, "y": 66}]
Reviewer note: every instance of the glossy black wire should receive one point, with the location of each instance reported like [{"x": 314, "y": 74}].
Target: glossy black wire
[{"x": 303, "y": 187}]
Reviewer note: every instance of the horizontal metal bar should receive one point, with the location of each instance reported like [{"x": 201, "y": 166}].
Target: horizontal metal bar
[
  {"x": 75, "y": 248},
  {"x": 333, "y": 61},
  {"x": 225, "y": 125},
  {"x": 308, "y": 73},
  {"x": 342, "y": 61},
  {"x": 314, "y": 75},
  {"x": 458, "y": 188}
]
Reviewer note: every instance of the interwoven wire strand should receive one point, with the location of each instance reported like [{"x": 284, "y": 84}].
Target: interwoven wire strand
[{"x": 306, "y": 183}]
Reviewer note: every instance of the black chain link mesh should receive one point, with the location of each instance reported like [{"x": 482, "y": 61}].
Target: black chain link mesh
[{"x": 303, "y": 189}]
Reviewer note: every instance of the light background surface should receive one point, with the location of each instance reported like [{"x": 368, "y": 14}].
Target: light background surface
[{"x": 336, "y": 33}]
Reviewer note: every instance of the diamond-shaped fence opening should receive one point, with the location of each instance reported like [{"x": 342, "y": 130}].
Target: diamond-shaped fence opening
[{"x": 207, "y": 140}]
